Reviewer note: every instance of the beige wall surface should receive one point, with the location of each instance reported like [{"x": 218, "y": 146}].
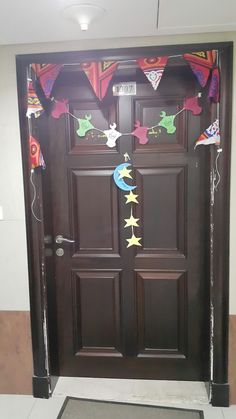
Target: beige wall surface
[{"x": 14, "y": 293}]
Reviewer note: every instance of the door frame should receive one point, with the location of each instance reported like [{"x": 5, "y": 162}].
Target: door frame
[{"x": 45, "y": 364}]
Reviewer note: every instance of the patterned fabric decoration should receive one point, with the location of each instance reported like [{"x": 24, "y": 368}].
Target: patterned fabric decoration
[
  {"x": 34, "y": 105},
  {"x": 99, "y": 74},
  {"x": 210, "y": 136},
  {"x": 214, "y": 89},
  {"x": 47, "y": 74},
  {"x": 153, "y": 69},
  {"x": 36, "y": 157},
  {"x": 201, "y": 64}
]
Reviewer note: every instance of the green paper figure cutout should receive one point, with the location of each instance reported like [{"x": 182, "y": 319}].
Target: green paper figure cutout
[
  {"x": 167, "y": 122},
  {"x": 84, "y": 125}
]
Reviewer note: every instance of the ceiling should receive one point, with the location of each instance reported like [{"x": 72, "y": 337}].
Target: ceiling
[{"x": 27, "y": 21}]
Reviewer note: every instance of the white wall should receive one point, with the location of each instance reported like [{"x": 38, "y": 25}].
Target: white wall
[{"x": 13, "y": 257}]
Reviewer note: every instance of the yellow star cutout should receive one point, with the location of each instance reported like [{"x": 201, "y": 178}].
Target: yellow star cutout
[
  {"x": 131, "y": 221},
  {"x": 125, "y": 173},
  {"x": 134, "y": 241},
  {"x": 131, "y": 198}
]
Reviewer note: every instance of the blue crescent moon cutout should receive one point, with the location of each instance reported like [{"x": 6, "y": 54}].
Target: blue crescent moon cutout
[{"x": 120, "y": 182}]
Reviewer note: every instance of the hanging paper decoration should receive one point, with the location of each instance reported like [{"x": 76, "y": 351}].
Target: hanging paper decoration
[
  {"x": 47, "y": 75},
  {"x": 34, "y": 105},
  {"x": 131, "y": 197},
  {"x": 131, "y": 221},
  {"x": 134, "y": 241},
  {"x": 201, "y": 64},
  {"x": 167, "y": 122},
  {"x": 191, "y": 104},
  {"x": 214, "y": 88},
  {"x": 60, "y": 107},
  {"x": 140, "y": 133},
  {"x": 99, "y": 74},
  {"x": 210, "y": 136},
  {"x": 153, "y": 69},
  {"x": 119, "y": 174},
  {"x": 84, "y": 125},
  {"x": 36, "y": 157},
  {"x": 112, "y": 135}
]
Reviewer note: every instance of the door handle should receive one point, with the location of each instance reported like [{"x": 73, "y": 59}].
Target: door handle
[{"x": 60, "y": 239}]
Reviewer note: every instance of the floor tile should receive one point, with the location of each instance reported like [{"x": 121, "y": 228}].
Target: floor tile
[
  {"x": 47, "y": 409},
  {"x": 16, "y": 407},
  {"x": 134, "y": 391},
  {"x": 229, "y": 413}
]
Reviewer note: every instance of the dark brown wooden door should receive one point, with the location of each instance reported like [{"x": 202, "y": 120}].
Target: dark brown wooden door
[{"x": 137, "y": 312}]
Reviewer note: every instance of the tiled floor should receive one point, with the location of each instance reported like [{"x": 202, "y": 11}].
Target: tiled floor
[{"x": 25, "y": 407}]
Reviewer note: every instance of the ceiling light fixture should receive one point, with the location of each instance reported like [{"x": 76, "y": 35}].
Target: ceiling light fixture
[{"x": 83, "y": 14}]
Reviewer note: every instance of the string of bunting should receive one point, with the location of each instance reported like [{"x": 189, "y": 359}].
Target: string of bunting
[
  {"x": 205, "y": 68},
  {"x": 99, "y": 73}
]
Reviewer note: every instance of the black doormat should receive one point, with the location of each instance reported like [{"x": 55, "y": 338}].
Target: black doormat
[{"x": 74, "y": 408}]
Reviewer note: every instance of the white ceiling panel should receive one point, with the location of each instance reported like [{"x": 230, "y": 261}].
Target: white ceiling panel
[
  {"x": 30, "y": 21},
  {"x": 184, "y": 16}
]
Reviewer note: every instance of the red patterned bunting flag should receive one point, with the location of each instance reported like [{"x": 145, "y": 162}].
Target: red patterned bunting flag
[
  {"x": 153, "y": 69},
  {"x": 99, "y": 74},
  {"x": 36, "y": 157},
  {"x": 47, "y": 75},
  {"x": 201, "y": 64},
  {"x": 34, "y": 106}
]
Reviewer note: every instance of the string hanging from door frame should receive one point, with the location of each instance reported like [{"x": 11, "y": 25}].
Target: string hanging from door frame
[
  {"x": 32, "y": 204},
  {"x": 216, "y": 178}
]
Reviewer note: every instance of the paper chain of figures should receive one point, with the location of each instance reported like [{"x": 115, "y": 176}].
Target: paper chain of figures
[
  {"x": 124, "y": 170},
  {"x": 141, "y": 132}
]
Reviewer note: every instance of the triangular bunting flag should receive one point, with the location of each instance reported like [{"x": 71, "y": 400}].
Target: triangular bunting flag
[
  {"x": 34, "y": 106},
  {"x": 99, "y": 74},
  {"x": 201, "y": 64},
  {"x": 214, "y": 88},
  {"x": 153, "y": 69},
  {"x": 210, "y": 136},
  {"x": 36, "y": 157},
  {"x": 47, "y": 75}
]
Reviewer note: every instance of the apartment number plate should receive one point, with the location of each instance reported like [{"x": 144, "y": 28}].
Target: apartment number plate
[{"x": 124, "y": 89}]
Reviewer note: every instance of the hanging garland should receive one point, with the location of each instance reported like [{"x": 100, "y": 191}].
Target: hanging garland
[
  {"x": 120, "y": 173},
  {"x": 140, "y": 132},
  {"x": 204, "y": 66}
]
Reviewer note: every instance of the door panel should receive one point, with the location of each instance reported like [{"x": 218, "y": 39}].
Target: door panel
[
  {"x": 87, "y": 186},
  {"x": 137, "y": 312},
  {"x": 154, "y": 317},
  {"x": 162, "y": 211},
  {"x": 97, "y": 313}
]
